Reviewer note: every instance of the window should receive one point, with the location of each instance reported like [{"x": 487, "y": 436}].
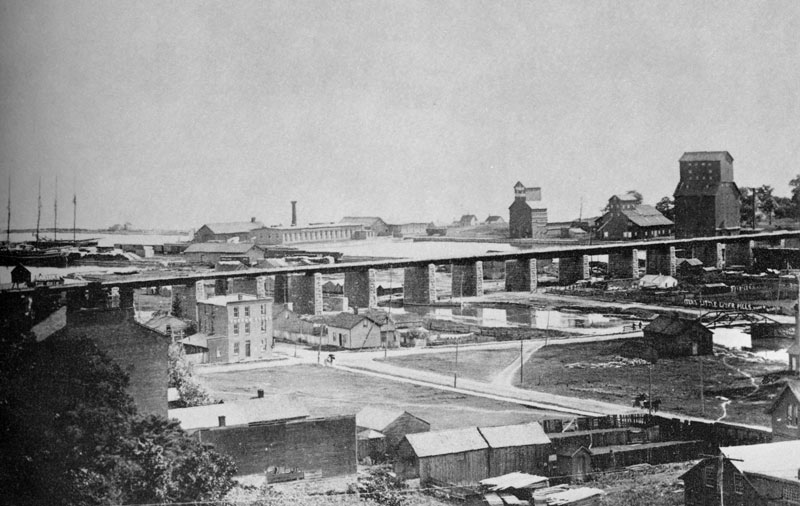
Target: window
[
  {"x": 219, "y": 353},
  {"x": 792, "y": 414},
  {"x": 263, "y": 345},
  {"x": 738, "y": 484},
  {"x": 263, "y": 325},
  {"x": 236, "y": 329},
  {"x": 247, "y": 348},
  {"x": 247, "y": 310},
  {"x": 710, "y": 473},
  {"x": 236, "y": 311},
  {"x": 235, "y": 348},
  {"x": 247, "y": 328},
  {"x": 263, "y": 309}
]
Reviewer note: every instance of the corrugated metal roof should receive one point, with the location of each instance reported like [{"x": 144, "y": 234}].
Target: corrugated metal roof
[
  {"x": 221, "y": 247},
  {"x": 445, "y": 442},
  {"x": 779, "y": 460},
  {"x": 705, "y": 156},
  {"x": 267, "y": 409},
  {"x": 645, "y": 215},
  {"x": 515, "y": 435},
  {"x": 375, "y": 418},
  {"x": 233, "y": 227}
]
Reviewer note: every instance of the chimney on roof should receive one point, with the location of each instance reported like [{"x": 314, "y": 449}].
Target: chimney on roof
[
  {"x": 294, "y": 213},
  {"x": 253, "y": 219},
  {"x": 221, "y": 420},
  {"x": 260, "y": 393}
]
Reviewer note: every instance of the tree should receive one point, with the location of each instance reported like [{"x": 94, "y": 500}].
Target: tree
[
  {"x": 69, "y": 435},
  {"x": 666, "y": 206},
  {"x": 746, "y": 210},
  {"x": 176, "y": 309},
  {"x": 766, "y": 202},
  {"x": 181, "y": 377}
]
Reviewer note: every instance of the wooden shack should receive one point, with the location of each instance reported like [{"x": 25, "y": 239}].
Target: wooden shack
[
  {"x": 522, "y": 448},
  {"x": 672, "y": 336},
  {"x": 394, "y": 424},
  {"x": 20, "y": 276},
  {"x": 447, "y": 457},
  {"x": 576, "y": 465}
]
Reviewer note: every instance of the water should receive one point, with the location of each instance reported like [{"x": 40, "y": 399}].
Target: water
[
  {"x": 515, "y": 316},
  {"x": 105, "y": 239},
  {"x": 738, "y": 338}
]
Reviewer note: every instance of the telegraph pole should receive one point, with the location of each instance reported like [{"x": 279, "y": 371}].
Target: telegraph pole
[
  {"x": 521, "y": 362},
  {"x": 455, "y": 373}
]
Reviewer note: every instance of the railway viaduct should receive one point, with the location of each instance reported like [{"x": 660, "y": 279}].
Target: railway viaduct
[{"x": 301, "y": 285}]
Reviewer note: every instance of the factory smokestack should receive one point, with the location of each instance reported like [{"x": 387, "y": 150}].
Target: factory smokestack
[{"x": 294, "y": 213}]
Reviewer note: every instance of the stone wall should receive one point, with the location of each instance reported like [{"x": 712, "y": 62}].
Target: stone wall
[
  {"x": 467, "y": 280},
  {"x": 360, "y": 288},
  {"x": 521, "y": 275},
  {"x": 419, "y": 284}
]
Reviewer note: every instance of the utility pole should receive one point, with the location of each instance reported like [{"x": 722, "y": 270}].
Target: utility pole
[
  {"x": 55, "y": 213},
  {"x": 650, "y": 390},
  {"x": 702, "y": 388},
  {"x": 39, "y": 212},
  {"x": 455, "y": 373},
  {"x": 8, "y": 224},
  {"x": 521, "y": 362}
]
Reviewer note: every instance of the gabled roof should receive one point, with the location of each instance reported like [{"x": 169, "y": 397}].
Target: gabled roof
[
  {"x": 253, "y": 411},
  {"x": 160, "y": 322},
  {"x": 367, "y": 221},
  {"x": 221, "y": 247},
  {"x": 644, "y": 215},
  {"x": 777, "y": 460},
  {"x": 705, "y": 156},
  {"x": 626, "y": 197},
  {"x": 445, "y": 442},
  {"x": 519, "y": 185},
  {"x": 375, "y": 418},
  {"x": 693, "y": 262},
  {"x": 347, "y": 320},
  {"x": 467, "y": 217},
  {"x": 791, "y": 387},
  {"x": 673, "y": 326},
  {"x": 494, "y": 219},
  {"x": 233, "y": 227},
  {"x": 199, "y": 340},
  {"x": 514, "y": 435}
]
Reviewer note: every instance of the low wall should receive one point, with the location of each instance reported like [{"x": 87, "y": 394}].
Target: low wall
[{"x": 318, "y": 446}]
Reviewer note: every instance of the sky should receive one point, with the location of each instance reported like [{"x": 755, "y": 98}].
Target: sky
[{"x": 170, "y": 114}]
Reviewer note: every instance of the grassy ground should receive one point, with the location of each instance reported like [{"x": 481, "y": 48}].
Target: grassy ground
[
  {"x": 481, "y": 365},
  {"x": 572, "y": 370},
  {"x": 326, "y": 391}
]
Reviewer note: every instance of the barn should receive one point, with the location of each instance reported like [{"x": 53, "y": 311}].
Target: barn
[
  {"x": 394, "y": 424},
  {"x": 522, "y": 447},
  {"x": 672, "y": 336},
  {"x": 454, "y": 457}
]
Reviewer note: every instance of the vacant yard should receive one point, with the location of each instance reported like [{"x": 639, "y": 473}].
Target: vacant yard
[
  {"x": 593, "y": 370},
  {"x": 326, "y": 391},
  {"x": 481, "y": 365}
]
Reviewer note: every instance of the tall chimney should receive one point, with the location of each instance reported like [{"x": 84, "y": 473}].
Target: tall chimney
[
  {"x": 221, "y": 421},
  {"x": 294, "y": 213}
]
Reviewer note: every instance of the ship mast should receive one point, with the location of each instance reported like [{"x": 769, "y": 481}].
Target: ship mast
[
  {"x": 55, "y": 214},
  {"x": 74, "y": 214},
  {"x": 8, "y": 224},
  {"x": 39, "y": 211}
]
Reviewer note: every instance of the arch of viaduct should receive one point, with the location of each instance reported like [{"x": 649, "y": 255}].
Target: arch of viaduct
[{"x": 302, "y": 285}]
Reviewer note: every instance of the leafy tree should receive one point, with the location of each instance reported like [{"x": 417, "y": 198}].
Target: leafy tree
[
  {"x": 666, "y": 206},
  {"x": 784, "y": 208},
  {"x": 766, "y": 202},
  {"x": 382, "y": 487},
  {"x": 69, "y": 435},
  {"x": 746, "y": 210},
  {"x": 176, "y": 309},
  {"x": 181, "y": 377}
]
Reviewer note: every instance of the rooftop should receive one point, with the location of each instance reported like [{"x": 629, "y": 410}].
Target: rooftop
[
  {"x": 645, "y": 215},
  {"x": 253, "y": 411},
  {"x": 224, "y": 300},
  {"x": 705, "y": 156},
  {"x": 672, "y": 325},
  {"x": 220, "y": 247},
  {"x": 778, "y": 460},
  {"x": 233, "y": 227},
  {"x": 444, "y": 442},
  {"x": 515, "y": 435},
  {"x": 375, "y": 418}
]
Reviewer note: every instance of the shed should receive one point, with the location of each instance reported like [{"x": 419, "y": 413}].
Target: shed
[
  {"x": 785, "y": 413},
  {"x": 370, "y": 443},
  {"x": 657, "y": 282},
  {"x": 575, "y": 464},
  {"x": 392, "y": 423},
  {"x": 454, "y": 457},
  {"x": 672, "y": 336},
  {"x": 522, "y": 447},
  {"x": 20, "y": 275}
]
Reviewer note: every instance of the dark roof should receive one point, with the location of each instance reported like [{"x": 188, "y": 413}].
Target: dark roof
[
  {"x": 494, "y": 218},
  {"x": 694, "y": 188},
  {"x": 694, "y": 262},
  {"x": 468, "y": 217},
  {"x": 706, "y": 156},
  {"x": 644, "y": 215},
  {"x": 673, "y": 326},
  {"x": 221, "y": 247},
  {"x": 519, "y": 185},
  {"x": 791, "y": 387},
  {"x": 344, "y": 320},
  {"x": 233, "y": 227},
  {"x": 626, "y": 197},
  {"x": 371, "y": 417}
]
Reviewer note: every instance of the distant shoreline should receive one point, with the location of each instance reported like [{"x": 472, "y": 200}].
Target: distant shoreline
[{"x": 97, "y": 231}]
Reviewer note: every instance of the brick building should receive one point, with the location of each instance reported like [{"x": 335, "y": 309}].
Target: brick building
[
  {"x": 527, "y": 214},
  {"x": 226, "y": 231},
  {"x": 707, "y": 200},
  {"x": 627, "y": 219},
  {"x": 235, "y": 327}
]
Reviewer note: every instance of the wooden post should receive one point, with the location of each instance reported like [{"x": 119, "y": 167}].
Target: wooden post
[{"x": 455, "y": 373}]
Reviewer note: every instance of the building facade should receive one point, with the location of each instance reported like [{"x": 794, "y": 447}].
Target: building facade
[
  {"x": 679, "y": 337},
  {"x": 527, "y": 214},
  {"x": 374, "y": 224},
  {"x": 211, "y": 253},
  {"x": 310, "y": 233},
  {"x": 785, "y": 413},
  {"x": 707, "y": 200},
  {"x": 237, "y": 327},
  {"x": 628, "y": 219},
  {"x": 355, "y": 331}
]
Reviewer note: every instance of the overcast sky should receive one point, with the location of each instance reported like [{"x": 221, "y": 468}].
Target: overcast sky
[{"x": 175, "y": 113}]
